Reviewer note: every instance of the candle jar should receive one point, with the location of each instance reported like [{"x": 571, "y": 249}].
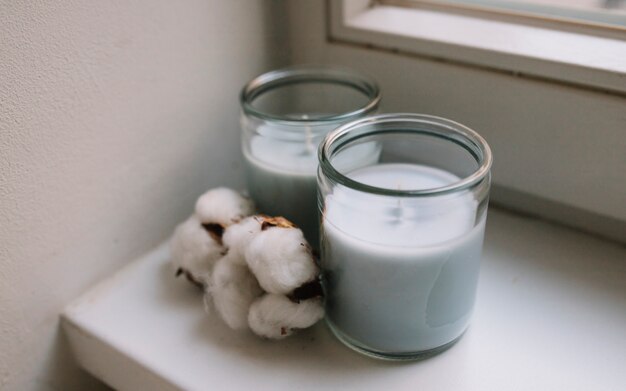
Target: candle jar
[
  {"x": 401, "y": 238},
  {"x": 285, "y": 115}
]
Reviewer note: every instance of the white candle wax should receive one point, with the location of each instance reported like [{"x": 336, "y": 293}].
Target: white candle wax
[
  {"x": 401, "y": 272},
  {"x": 282, "y": 176}
]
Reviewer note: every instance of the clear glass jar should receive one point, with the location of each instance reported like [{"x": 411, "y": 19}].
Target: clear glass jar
[
  {"x": 401, "y": 238},
  {"x": 285, "y": 115}
]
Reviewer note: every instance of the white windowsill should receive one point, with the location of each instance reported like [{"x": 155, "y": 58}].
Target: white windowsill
[
  {"x": 579, "y": 59},
  {"x": 551, "y": 314}
]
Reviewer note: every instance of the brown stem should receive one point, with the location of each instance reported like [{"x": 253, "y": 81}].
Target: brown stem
[
  {"x": 215, "y": 230},
  {"x": 307, "y": 291}
]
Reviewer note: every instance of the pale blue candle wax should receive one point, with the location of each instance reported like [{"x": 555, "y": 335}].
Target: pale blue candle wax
[
  {"x": 401, "y": 273},
  {"x": 282, "y": 177}
]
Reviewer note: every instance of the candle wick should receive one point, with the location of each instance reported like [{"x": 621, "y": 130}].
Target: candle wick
[{"x": 399, "y": 209}]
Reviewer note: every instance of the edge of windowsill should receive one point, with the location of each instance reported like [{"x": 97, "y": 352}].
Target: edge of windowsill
[{"x": 541, "y": 286}]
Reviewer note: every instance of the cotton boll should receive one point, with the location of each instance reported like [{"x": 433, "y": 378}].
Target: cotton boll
[
  {"x": 281, "y": 259},
  {"x": 276, "y": 317},
  {"x": 223, "y": 206},
  {"x": 194, "y": 250},
  {"x": 233, "y": 288},
  {"x": 237, "y": 237}
]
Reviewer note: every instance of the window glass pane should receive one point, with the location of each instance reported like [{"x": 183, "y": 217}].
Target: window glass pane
[{"x": 609, "y": 12}]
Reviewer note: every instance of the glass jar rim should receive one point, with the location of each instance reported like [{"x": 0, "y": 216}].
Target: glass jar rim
[
  {"x": 295, "y": 75},
  {"x": 408, "y": 123}
]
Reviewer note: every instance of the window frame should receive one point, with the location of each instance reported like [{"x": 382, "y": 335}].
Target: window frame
[{"x": 569, "y": 57}]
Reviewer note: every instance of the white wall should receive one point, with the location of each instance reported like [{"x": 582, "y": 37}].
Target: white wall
[
  {"x": 114, "y": 116},
  {"x": 559, "y": 151}
]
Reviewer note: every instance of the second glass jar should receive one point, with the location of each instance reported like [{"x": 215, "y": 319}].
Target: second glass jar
[{"x": 285, "y": 115}]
